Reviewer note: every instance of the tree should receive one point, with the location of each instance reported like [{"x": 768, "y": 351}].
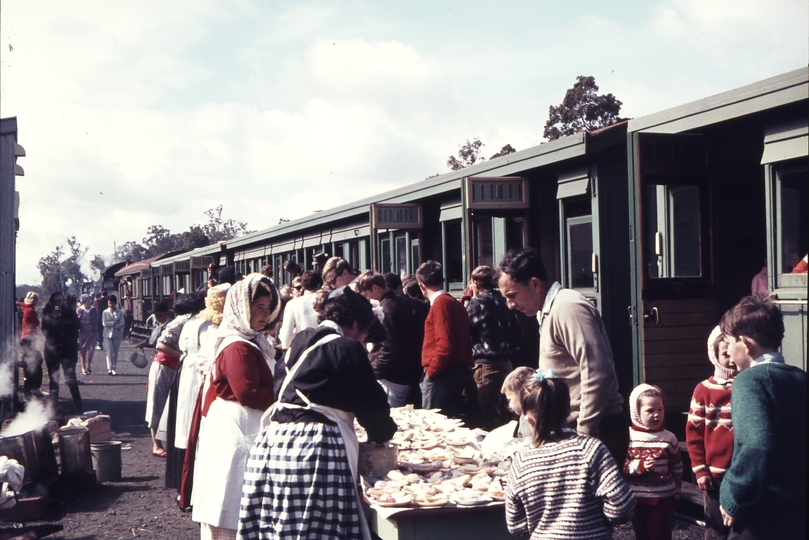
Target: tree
[
  {"x": 467, "y": 155},
  {"x": 582, "y": 110},
  {"x": 218, "y": 229},
  {"x": 61, "y": 270},
  {"x": 507, "y": 149},
  {"x": 130, "y": 251},
  {"x": 50, "y": 266},
  {"x": 98, "y": 263},
  {"x": 72, "y": 265}
]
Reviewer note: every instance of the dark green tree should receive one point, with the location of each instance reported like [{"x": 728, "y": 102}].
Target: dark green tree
[
  {"x": 507, "y": 149},
  {"x": 218, "y": 228},
  {"x": 468, "y": 155},
  {"x": 61, "y": 270},
  {"x": 582, "y": 110},
  {"x": 50, "y": 267}
]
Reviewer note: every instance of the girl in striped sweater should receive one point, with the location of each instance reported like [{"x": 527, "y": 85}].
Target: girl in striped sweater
[
  {"x": 653, "y": 465},
  {"x": 564, "y": 485}
]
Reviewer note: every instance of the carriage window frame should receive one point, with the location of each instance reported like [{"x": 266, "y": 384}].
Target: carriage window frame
[
  {"x": 782, "y": 173},
  {"x": 667, "y": 241}
]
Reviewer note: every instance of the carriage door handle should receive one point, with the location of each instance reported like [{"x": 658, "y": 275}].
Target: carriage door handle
[{"x": 654, "y": 314}]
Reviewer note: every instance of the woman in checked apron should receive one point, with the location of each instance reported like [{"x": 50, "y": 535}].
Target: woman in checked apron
[{"x": 301, "y": 479}]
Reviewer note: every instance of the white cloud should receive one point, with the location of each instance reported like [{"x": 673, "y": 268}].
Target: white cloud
[{"x": 172, "y": 108}]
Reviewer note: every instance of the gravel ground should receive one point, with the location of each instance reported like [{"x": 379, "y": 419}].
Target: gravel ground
[{"x": 139, "y": 506}]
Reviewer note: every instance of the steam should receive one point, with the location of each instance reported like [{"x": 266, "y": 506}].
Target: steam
[{"x": 36, "y": 415}]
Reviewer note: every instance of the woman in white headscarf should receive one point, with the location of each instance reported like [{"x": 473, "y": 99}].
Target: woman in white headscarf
[{"x": 241, "y": 389}]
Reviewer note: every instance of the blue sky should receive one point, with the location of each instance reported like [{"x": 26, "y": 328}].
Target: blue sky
[{"x": 140, "y": 113}]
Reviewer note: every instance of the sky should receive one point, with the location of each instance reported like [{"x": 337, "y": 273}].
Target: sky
[{"x": 151, "y": 112}]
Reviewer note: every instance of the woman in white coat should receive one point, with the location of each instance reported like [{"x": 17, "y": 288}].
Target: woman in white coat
[{"x": 241, "y": 389}]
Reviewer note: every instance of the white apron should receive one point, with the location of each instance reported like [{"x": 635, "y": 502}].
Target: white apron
[
  {"x": 343, "y": 419},
  {"x": 225, "y": 440}
]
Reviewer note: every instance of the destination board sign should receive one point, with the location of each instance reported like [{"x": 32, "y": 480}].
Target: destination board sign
[
  {"x": 397, "y": 216},
  {"x": 497, "y": 192}
]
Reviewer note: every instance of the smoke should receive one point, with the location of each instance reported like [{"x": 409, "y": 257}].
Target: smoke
[
  {"x": 9, "y": 354},
  {"x": 36, "y": 415}
]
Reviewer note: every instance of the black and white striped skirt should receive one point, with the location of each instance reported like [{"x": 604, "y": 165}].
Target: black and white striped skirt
[{"x": 298, "y": 485}]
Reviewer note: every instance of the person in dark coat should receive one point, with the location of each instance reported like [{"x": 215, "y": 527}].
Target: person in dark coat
[
  {"x": 397, "y": 359},
  {"x": 60, "y": 326}
]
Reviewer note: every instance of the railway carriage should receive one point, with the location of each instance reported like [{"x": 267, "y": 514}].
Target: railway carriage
[{"x": 661, "y": 222}]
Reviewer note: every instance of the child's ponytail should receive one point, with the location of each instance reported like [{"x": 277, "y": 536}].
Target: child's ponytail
[{"x": 547, "y": 402}]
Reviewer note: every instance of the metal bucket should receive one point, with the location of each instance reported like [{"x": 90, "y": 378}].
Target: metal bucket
[
  {"x": 74, "y": 451},
  {"x": 107, "y": 460},
  {"x": 22, "y": 448},
  {"x": 377, "y": 461}
]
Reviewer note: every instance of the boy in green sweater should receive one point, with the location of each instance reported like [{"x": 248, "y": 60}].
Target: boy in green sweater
[{"x": 763, "y": 494}]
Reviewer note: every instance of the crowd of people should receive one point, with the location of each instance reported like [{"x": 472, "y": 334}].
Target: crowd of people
[{"x": 254, "y": 391}]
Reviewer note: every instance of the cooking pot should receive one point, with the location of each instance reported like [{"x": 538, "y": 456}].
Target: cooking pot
[{"x": 376, "y": 461}]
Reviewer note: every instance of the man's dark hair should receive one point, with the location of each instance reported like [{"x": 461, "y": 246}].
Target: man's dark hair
[
  {"x": 756, "y": 317},
  {"x": 430, "y": 274},
  {"x": 410, "y": 286},
  {"x": 311, "y": 280},
  {"x": 267, "y": 270},
  {"x": 485, "y": 276},
  {"x": 369, "y": 278},
  {"x": 393, "y": 280},
  {"x": 523, "y": 264},
  {"x": 338, "y": 310}
]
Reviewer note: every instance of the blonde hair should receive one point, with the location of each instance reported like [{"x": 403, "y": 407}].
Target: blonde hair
[
  {"x": 215, "y": 304},
  {"x": 31, "y": 298},
  {"x": 515, "y": 381}
]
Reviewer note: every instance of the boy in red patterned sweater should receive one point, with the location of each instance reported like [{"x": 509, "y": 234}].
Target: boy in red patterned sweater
[{"x": 709, "y": 433}]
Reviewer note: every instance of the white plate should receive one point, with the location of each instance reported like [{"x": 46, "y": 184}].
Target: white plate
[
  {"x": 431, "y": 504},
  {"x": 483, "y": 499},
  {"x": 425, "y": 467},
  {"x": 402, "y": 502}
]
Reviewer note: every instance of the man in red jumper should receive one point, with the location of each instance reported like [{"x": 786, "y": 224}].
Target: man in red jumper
[{"x": 447, "y": 351}]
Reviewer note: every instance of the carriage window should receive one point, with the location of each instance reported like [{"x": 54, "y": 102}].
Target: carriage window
[
  {"x": 415, "y": 259},
  {"x": 384, "y": 254},
  {"x": 401, "y": 254},
  {"x": 484, "y": 246},
  {"x": 580, "y": 252},
  {"x": 673, "y": 234},
  {"x": 453, "y": 251},
  {"x": 792, "y": 224}
]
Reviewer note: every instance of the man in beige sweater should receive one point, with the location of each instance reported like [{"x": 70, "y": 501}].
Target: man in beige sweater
[{"x": 574, "y": 344}]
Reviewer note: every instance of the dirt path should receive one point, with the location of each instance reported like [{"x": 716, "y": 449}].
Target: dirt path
[{"x": 139, "y": 506}]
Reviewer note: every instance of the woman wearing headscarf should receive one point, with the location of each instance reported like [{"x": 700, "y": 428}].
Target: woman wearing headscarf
[
  {"x": 241, "y": 390},
  {"x": 323, "y": 383}
]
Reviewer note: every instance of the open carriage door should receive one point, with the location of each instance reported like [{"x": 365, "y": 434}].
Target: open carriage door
[{"x": 673, "y": 304}]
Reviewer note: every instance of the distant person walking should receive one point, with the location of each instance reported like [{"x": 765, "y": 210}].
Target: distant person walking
[
  {"x": 88, "y": 317},
  {"x": 113, "y": 322}
]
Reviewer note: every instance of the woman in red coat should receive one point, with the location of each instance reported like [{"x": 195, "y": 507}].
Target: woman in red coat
[{"x": 30, "y": 321}]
